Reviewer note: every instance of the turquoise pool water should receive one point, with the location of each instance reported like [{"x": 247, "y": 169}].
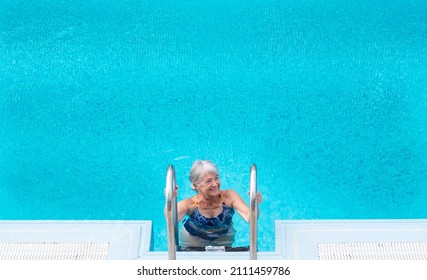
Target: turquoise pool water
[{"x": 328, "y": 98}]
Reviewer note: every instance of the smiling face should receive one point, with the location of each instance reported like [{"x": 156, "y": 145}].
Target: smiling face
[{"x": 209, "y": 185}]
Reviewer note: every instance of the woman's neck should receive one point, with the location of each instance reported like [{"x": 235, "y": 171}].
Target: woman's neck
[{"x": 209, "y": 200}]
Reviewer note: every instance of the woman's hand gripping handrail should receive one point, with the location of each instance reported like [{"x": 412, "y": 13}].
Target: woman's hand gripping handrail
[
  {"x": 171, "y": 212},
  {"x": 253, "y": 217}
]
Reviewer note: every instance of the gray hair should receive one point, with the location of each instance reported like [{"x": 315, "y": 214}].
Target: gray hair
[{"x": 200, "y": 168}]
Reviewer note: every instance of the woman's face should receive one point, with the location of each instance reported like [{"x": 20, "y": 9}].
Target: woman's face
[{"x": 209, "y": 185}]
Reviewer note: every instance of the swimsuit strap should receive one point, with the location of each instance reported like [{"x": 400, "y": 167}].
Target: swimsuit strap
[{"x": 196, "y": 203}]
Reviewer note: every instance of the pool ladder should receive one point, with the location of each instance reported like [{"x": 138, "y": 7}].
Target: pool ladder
[{"x": 172, "y": 214}]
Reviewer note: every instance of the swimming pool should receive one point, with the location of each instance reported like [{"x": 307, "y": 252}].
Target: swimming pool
[{"x": 328, "y": 98}]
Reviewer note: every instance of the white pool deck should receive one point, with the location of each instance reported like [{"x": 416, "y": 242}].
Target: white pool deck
[{"x": 294, "y": 240}]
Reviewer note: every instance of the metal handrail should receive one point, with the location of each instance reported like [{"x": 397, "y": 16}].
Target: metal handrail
[
  {"x": 253, "y": 217},
  {"x": 171, "y": 213}
]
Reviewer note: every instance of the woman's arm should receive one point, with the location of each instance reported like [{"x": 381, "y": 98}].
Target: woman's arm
[
  {"x": 239, "y": 205},
  {"x": 182, "y": 207}
]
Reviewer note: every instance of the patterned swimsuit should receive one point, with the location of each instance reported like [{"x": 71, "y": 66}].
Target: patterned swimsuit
[{"x": 209, "y": 228}]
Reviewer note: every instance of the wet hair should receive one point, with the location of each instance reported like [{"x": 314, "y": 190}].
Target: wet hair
[{"x": 200, "y": 168}]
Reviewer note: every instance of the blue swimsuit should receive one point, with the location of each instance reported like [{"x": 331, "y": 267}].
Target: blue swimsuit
[{"x": 209, "y": 228}]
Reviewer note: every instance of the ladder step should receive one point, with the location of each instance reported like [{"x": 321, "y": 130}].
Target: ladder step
[{"x": 213, "y": 249}]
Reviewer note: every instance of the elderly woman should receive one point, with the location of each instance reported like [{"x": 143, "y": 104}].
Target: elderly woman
[{"x": 209, "y": 212}]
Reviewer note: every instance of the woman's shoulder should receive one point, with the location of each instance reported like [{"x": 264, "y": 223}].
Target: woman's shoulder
[
  {"x": 187, "y": 205},
  {"x": 229, "y": 196},
  {"x": 229, "y": 193},
  {"x": 189, "y": 202}
]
